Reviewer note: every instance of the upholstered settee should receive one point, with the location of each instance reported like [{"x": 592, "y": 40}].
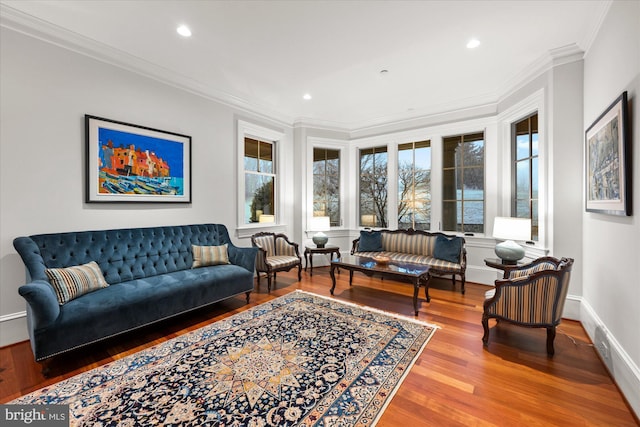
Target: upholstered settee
[
  {"x": 445, "y": 254},
  {"x": 90, "y": 285}
]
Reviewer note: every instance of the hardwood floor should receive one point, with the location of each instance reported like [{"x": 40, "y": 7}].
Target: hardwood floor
[{"x": 455, "y": 381}]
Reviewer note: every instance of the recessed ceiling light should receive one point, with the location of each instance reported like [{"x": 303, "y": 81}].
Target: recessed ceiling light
[
  {"x": 184, "y": 31},
  {"x": 306, "y": 96},
  {"x": 473, "y": 43}
]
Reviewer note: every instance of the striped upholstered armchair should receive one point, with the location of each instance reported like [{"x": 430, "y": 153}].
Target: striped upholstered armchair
[
  {"x": 532, "y": 295},
  {"x": 276, "y": 253}
]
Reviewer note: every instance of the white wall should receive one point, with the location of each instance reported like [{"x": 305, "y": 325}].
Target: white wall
[
  {"x": 611, "y": 290},
  {"x": 46, "y": 91}
]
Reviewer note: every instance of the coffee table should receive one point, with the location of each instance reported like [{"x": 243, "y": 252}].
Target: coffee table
[{"x": 417, "y": 274}]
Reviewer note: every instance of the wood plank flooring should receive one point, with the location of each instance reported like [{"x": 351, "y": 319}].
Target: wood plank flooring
[{"x": 455, "y": 381}]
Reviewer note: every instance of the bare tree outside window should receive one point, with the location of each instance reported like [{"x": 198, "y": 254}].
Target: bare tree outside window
[
  {"x": 373, "y": 187},
  {"x": 326, "y": 184},
  {"x": 414, "y": 185}
]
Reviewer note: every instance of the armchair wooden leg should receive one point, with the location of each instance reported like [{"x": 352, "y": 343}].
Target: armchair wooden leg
[
  {"x": 269, "y": 281},
  {"x": 248, "y": 293},
  {"x": 485, "y": 326},
  {"x": 299, "y": 272},
  {"x": 462, "y": 281},
  {"x": 551, "y": 336}
]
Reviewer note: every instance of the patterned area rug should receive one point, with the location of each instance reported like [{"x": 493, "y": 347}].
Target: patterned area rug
[{"x": 298, "y": 360}]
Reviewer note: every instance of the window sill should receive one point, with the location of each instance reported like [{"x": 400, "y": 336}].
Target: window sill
[{"x": 247, "y": 231}]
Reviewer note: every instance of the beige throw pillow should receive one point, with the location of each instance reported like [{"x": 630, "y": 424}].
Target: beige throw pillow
[
  {"x": 71, "y": 282},
  {"x": 209, "y": 255}
]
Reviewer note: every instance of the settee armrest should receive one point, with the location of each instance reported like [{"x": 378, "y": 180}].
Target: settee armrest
[
  {"x": 43, "y": 302},
  {"x": 354, "y": 245},
  {"x": 243, "y": 257}
]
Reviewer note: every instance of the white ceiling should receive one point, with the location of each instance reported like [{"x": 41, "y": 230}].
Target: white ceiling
[{"x": 264, "y": 55}]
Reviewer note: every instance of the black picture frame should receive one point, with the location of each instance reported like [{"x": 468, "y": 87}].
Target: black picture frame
[
  {"x": 128, "y": 163},
  {"x": 608, "y": 161}
]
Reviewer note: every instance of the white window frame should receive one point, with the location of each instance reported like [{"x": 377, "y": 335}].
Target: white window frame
[
  {"x": 357, "y": 154},
  {"x": 532, "y": 104},
  {"x": 250, "y": 130},
  {"x": 330, "y": 144}
]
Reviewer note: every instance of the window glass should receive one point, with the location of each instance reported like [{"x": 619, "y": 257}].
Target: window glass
[
  {"x": 414, "y": 185},
  {"x": 373, "y": 187},
  {"x": 463, "y": 183},
  {"x": 525, "y": 171},
  {"x": 259, "y": 180},
  {"x": 326, "y": 184}
]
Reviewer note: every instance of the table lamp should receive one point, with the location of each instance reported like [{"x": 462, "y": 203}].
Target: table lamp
[
  {"x": 510, "y": 229},
  {"x": 320, "y": 224},
  {"x": 267, "y": 218}
]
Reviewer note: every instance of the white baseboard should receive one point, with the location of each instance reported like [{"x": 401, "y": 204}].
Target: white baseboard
[
  {"x": 621, "y": 367},
  {"x": 13, "y": 328},
  {"x": 572, "y": 308}
]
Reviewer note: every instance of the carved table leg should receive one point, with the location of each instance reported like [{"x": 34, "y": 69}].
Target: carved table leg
[
  {"x": 333, "y": 277},
  {"x": 426, "y": 287},
  {"x": 416, "y": 288}
]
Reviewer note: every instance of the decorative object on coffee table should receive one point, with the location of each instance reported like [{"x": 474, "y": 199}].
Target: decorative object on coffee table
[
  {"x": 298, "y": 360},
  {"x": 382, "y": 259},
  {"x": 510, "y": 229}
]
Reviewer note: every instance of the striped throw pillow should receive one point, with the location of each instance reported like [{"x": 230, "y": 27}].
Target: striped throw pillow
[
  {"x": 71, "y": 282},
  {"x": 209, "y": 255}
]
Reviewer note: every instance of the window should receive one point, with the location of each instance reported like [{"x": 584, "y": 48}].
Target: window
[
  {"x": 326, "y": 184},
  {"x": 259, "y": 181},
  {"x": 414, "y": 185},
  {"x": 373, "y": 187},
  {"x": 463, "y": 183},
  {"x": 525, "y": 171}
]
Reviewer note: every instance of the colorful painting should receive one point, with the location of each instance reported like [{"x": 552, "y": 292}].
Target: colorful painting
[
  {"x": 607, "y": 164},
  {"x": 129, "y": 163}
]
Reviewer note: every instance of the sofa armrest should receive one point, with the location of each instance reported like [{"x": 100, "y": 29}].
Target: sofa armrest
[
  {"x": 354, "y": 246},
  {"x": 243, "y": 257},
  {"x": 43, "y": 302}
]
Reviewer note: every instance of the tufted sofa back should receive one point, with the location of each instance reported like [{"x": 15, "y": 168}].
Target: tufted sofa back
[{"x": 122, "y": 254}]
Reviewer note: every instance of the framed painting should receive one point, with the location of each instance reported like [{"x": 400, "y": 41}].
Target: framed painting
[
  {"x": 131, "y": 163},
  {"x": 608, "y": 161}
]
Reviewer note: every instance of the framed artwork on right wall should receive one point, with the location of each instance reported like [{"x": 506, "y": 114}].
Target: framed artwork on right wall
[{"x": 608, "y": 161}]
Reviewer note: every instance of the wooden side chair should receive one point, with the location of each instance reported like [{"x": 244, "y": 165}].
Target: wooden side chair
[
  {"x": 532, "y": 296},
  {"x": 276, "y": 253}
]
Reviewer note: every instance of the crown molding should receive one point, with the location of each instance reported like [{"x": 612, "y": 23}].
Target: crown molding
[
  {"x": 544, "y": 63},
  {"x": 31, "y": 26},
  {"x": 590, "y": 37}
]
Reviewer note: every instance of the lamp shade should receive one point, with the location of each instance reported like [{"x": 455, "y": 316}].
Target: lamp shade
[
  {"x": 320, "y": 223},
  {"x": 266, "y": 218},
  {"x": 508, "y": 228}
]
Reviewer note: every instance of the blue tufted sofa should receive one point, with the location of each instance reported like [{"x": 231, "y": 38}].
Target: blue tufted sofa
[{"x": 149, "y": 275}]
